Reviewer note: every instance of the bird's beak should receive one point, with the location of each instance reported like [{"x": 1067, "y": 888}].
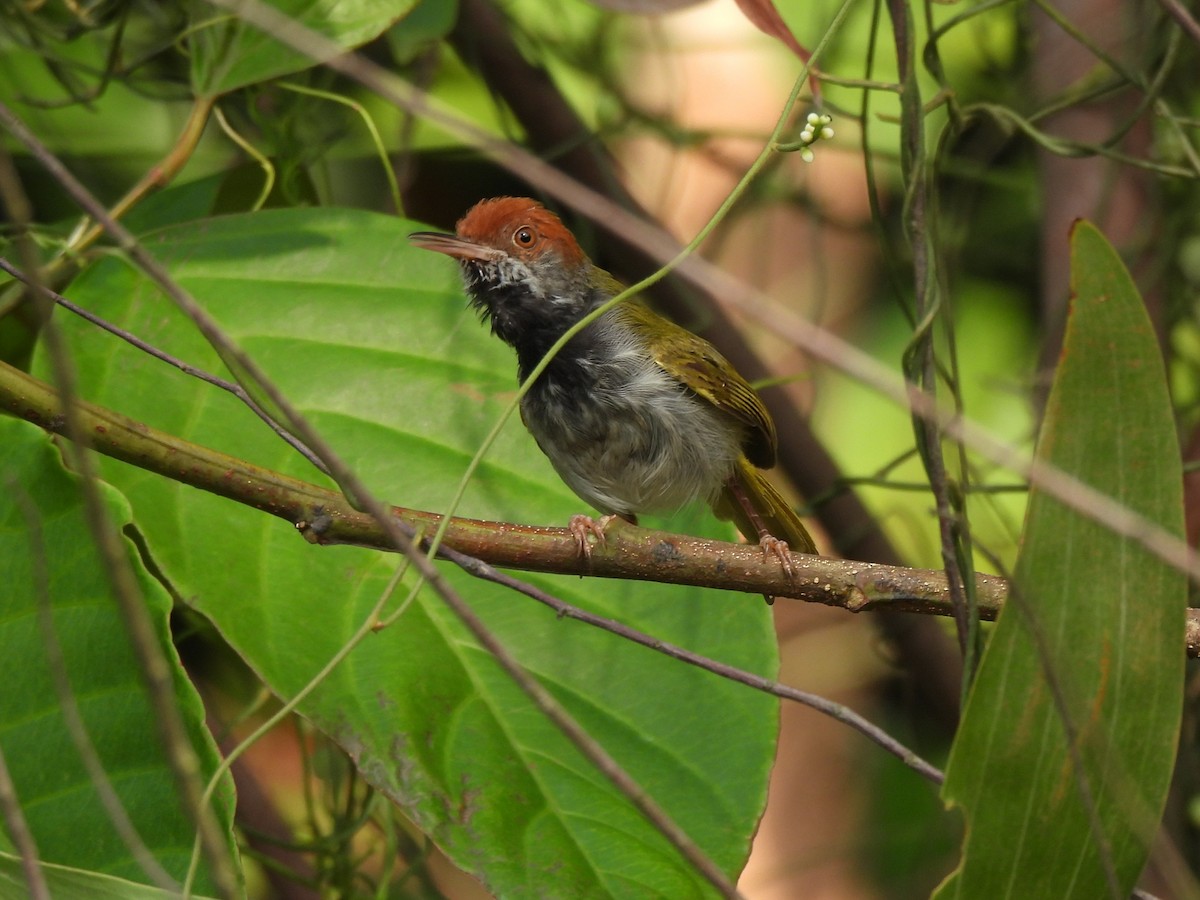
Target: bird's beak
[{"x": 454, "y": 246}]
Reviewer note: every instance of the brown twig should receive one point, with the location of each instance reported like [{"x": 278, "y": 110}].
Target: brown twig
[
  {"x": 22, "y": 838},
  {"x": 159, "y": 175},
  {"x": 1179, "y": 13},
  {"x": 324, "y": 516},
  {"x": 838, "y": 711}
]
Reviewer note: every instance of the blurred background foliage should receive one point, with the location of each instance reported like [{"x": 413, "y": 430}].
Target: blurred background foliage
[{"x": 678, "y": 103}]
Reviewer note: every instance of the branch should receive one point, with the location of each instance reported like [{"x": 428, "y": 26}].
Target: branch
[{"x": 323, "y": 516}]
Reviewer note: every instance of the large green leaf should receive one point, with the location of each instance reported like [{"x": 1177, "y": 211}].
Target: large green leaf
[
  {"x": 42, "y": 524},
  {"x": 1066, "y": 747},
  {"x": 372, "y": 339},
  {"x": 227, "y": 53}
]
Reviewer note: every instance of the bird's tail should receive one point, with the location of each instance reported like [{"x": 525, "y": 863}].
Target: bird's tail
[{"x": 767, "y": 504}]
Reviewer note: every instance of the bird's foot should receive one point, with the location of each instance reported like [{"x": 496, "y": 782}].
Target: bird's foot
[
  {"x": 773, "y": 546},
  {"x": 582, "y": 527}
]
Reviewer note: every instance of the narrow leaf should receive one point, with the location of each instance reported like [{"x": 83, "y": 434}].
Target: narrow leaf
[{"x": 1065, "y": 752}]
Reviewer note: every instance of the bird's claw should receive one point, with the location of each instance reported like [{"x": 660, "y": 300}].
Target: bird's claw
[
  {"x": 582, "y": 526},
  {"x": 773, "y": 546}
]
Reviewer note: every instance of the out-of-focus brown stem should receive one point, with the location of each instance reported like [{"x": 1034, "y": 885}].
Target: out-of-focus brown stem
[
  {"x": 60, "y": 269},
  {"x": 1114, "y": 196}
]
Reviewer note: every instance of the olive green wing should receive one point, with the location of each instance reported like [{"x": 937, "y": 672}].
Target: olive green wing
[{"x": 696, "y": 363}]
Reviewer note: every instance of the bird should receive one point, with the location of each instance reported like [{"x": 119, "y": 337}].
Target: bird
[{"x": 635, "y": 413}]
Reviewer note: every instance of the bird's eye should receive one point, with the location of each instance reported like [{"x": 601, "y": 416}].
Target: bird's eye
[{"x": 524, "y": 236}]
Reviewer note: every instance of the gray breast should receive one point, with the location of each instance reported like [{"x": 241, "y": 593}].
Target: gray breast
[{"x": 640, "y": 441}]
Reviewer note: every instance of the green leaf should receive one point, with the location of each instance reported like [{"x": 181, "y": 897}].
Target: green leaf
[
  {"x": 372, "y": 339},
  {"x": 75, "y": 884},
  {"x": 429, "y": 22},
  {"x": 42, "y": 530},
  {"x": 228, "y": 53},
  {"x": 1067, "y": 743}
]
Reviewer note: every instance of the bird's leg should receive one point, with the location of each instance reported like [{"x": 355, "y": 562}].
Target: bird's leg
[
  {"x": 582, "y": 526},
  {"x": 770, "y": 544}
]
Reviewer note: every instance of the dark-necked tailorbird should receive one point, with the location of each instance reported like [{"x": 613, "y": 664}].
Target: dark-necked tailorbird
[{"x": 635, "y": 413}]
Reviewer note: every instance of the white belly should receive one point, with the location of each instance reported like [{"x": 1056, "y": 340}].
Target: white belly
[{"x": 647, "y": 445}]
